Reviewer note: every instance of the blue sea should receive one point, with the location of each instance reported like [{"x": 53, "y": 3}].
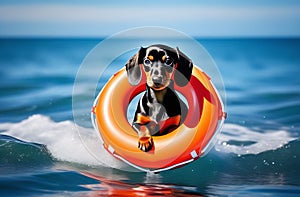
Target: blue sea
[{"x": 42, "y": 153}]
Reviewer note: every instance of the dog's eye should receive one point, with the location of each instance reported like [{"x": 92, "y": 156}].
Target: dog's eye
[
  {"x": 147, "y": 61},
  {"x": 168, "y": 62}
]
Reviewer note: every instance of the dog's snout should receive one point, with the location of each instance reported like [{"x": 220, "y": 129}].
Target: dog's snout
[{"x": 157, "y": 80}]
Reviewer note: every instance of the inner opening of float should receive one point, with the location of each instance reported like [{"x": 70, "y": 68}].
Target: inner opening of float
[{"x": 132, "y": 108}]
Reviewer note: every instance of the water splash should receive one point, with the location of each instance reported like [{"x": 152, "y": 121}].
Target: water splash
[
  {"x": 60, "y": 138},
  {"x": 242, "y": 140},
  {"x": 64, "y": 143}
]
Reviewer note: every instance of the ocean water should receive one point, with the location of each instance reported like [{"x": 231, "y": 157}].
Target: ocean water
[{"x": 42, "y": 154}]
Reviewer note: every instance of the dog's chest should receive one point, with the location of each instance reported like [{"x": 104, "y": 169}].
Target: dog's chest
[{"x": 157, "y": 112}]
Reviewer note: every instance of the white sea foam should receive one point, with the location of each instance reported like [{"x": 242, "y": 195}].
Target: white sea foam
[
  {"x": 64, "y": 142},
  {"x": 242, "y": 140}
]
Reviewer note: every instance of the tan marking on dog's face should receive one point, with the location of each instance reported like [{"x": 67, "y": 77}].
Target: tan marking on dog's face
[{"x": 150, "y": 57}]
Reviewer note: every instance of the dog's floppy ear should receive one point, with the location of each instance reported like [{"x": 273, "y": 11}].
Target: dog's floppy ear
[
  {"x": 184, "y": 69},
  {"x": 133, "y": 69}
]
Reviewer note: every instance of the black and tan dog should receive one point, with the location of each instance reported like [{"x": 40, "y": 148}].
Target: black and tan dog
[{"x": 159, "y": 110}]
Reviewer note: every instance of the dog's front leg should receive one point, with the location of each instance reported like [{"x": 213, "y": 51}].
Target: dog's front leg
[
  {"x": 145, "y": 142},
  {"x": 145, "y": 139}
]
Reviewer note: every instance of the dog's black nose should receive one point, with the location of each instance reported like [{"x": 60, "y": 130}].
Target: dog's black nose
[{"x": 157, "y": 80}]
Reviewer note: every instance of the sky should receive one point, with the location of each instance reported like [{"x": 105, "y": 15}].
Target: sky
[{"x": 199, "y": 18}]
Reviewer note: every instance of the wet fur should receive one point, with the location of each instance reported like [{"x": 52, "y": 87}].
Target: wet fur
[{"x": 159, "y": 110}]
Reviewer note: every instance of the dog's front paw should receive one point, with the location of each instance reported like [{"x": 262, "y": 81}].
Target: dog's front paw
[{"x": 145, "y": 143}]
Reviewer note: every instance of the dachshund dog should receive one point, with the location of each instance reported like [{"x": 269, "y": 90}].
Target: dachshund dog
[{"x": 159, "y": 110}]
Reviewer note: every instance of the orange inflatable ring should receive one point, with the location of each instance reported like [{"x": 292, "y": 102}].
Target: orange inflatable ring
[{"x": 183, "y": 145}]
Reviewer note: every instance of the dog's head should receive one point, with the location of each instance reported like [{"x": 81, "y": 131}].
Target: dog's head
[{"x": 160, "y": 63}]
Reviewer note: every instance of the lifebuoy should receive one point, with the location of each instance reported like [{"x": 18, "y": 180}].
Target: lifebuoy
[{"x": 183, "y": 145}]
